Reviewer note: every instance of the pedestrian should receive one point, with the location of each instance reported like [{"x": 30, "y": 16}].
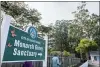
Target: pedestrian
[
  {"x": 27, "y": 64},
  {"x": 55, "y": 61}
]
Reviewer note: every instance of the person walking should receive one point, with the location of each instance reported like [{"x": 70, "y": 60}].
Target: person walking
[{"x": 55, "y": 61}]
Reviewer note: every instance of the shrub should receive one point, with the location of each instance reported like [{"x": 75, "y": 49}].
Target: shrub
[{"x": 65, "y": 53}]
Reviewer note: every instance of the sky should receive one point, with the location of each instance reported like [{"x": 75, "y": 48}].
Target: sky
[{"x": 52, "y": 11}]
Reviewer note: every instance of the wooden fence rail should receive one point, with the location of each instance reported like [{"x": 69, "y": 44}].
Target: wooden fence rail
[{"x": 66, "y": 61}]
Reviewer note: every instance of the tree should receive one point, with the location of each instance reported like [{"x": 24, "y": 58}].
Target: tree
[
  {"x": 96, "y": 35},
  {"x": 85, "y": 46},
  {"x": 85, "y": 20},
  {"x": 44, "y": 29},
  {"x": 22, "y": 15},
  {"x": 61, "y": 35},
  {"x": 75, "y": 33},
  {"x": 84, "y": 25}
]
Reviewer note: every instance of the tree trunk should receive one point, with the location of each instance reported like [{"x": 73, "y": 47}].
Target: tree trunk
[
  {"x": 87, "y": 56},
  {"x": 81, "y": 55}
]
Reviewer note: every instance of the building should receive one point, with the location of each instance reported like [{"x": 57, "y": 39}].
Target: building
[{"x": 95, "y": 57}]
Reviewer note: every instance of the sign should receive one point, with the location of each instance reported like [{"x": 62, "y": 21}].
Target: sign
[{"x": 23, "y": 46}]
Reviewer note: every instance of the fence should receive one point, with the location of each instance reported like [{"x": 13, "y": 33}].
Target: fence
[{"x": 67, "y": 61}]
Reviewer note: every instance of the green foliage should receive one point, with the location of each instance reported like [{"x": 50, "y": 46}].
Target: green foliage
[
  {"x": 86, "y": 45},
  {"x": 82, "y": 34},
  {"x": 65, "y": 53},
  {"x": 44, "y": 29},
  {"x": 84, "y": 26},
  {"x": 50, "y": 50},
  {"x": 22, "y": 15},
  {"x": 74, "y": 35},
  {"x": 56, "y": 53},
  {"x": 96, "y": 35},
  {"x": 61, "y": 35},
  {"x": 85, "y": 20}
]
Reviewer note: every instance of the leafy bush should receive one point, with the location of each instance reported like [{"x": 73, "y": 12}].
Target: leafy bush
[
  {"x": 65, "y": 53},
  {"x": 55, "y": 52}
]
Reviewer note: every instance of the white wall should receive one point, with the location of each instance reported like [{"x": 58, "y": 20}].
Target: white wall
[
  {"x": 92, "y": 57},
  {"x": 85, "y": 64}
]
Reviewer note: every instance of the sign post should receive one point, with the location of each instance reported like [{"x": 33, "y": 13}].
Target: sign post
[{"x": 46, "y": 51}]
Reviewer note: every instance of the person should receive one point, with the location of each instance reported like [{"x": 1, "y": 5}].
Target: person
[
  {"x": 27, "y": 64},
  {"x": 55, "y": 61}
]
